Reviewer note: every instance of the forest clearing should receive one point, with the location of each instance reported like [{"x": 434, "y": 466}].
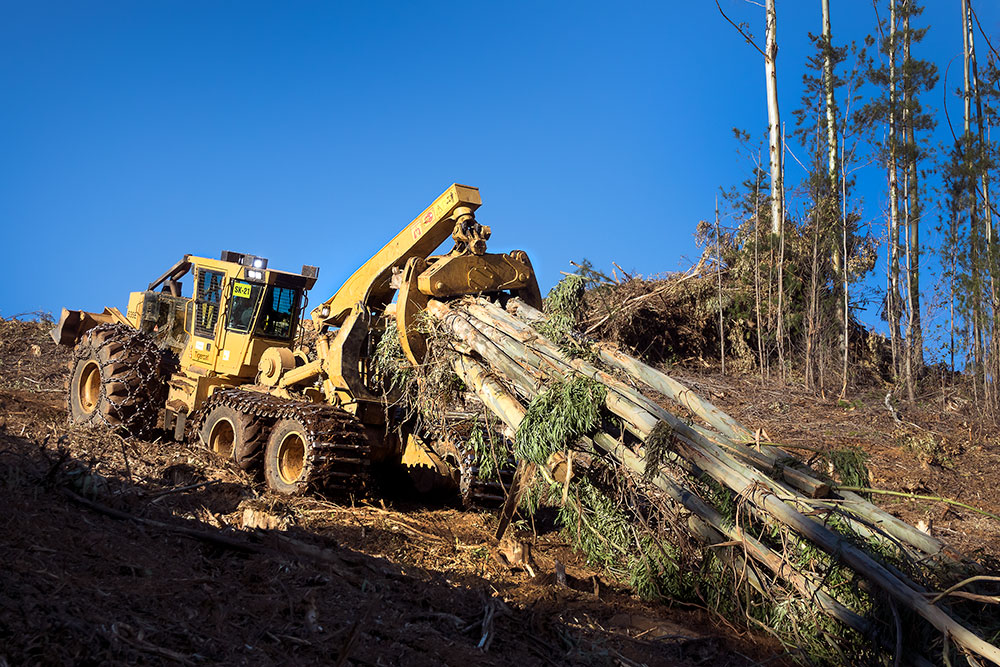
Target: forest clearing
[
  {"x": 785, "y": 452},
  {"x": 164, "y": 536}
]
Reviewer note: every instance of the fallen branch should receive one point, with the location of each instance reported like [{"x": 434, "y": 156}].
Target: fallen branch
[
  {"x": 295, "y": 548},
  {"x": 180, "y": 489}
]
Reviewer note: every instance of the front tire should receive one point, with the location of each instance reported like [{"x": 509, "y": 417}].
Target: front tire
[
  {"x": 115, "y": 380},
  {"x": 287, "y": 461}
]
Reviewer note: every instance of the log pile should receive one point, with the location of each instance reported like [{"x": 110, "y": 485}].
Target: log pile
[{"x": 648, "y": 473}]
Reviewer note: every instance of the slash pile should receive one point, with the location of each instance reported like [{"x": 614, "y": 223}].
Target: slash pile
[{"x": 674, "y": 495}]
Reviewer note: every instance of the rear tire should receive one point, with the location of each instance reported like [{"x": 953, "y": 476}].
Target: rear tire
[
  {"x": 287, "y": 464},
  {"x": 233, "y": 436}
]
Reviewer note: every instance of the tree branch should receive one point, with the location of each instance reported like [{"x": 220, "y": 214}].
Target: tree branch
[
  {"x": 740, "y": 30},
  {"x": 982, "y": 32}
]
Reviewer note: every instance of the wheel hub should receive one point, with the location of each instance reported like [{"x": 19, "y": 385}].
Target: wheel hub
[
  {"x": 90, "y": 386},
  {"x": 222, "y": 438},
  {"x": 291, "y": 457}
]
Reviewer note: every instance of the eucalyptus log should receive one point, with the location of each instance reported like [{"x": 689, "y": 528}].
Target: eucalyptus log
[
  {"x": 805, "y": 584},
  {"x": 671, "y": 388},
  {"x": 487, "y": 349},
  {"x": 638, "y": 412},
  {"x": 747, "y": 482},
  {"x": 859, "y": 506},
  {"x": 490, "y": 391},
  {"x": 834, "y": 544},
  {"x": 638, "y": 416}
]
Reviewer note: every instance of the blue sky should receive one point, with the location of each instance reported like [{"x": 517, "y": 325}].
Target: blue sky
[{"x": 310, "y": 132}]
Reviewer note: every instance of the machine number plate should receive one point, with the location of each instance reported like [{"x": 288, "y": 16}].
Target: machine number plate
[{"x": 241, "y": 290}]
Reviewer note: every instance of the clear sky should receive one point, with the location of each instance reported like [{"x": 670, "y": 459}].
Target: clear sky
[{"x": 311, "y": 132}]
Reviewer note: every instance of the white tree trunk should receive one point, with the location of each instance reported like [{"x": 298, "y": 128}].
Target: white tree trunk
[
  {"x": 967, "y": 89},
  {"x": 987, "y": 209},
  {"x": 774, "y": 122},
  {"x": 831, "y": 105},
  {"x": 991, "y": 357},
  {"x": 974, "y": 249},
  {"x": 909, "y": 208},
  {"x": 893, "y": 297}
]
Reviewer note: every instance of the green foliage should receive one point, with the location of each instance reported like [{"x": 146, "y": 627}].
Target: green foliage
[
  {"x": 558, "y": 416},
  {"x": 564, "y": 302},
  {"x": 563, "y": 305},
  {"x": 597, "y": 527},
  {"x": 491, "y": 455},
  {"x": 850, "y": 465},
  {"x": 602, "y": 529},
  {"x": 817, "y": 636},
  {"x": 586, "y": 270},
  {"x": 657, "y": 448},
  {"x": 720, "y": 498},
  {"x": 391, "y": 364}
]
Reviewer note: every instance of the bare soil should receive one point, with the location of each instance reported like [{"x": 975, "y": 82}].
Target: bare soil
[{"x": 121, "y": 551}]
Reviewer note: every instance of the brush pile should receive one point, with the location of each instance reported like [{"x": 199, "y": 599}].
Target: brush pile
[{"x": 671, "y": 494}]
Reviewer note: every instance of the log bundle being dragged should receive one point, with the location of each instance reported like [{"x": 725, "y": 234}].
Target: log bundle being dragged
[{"x": 679, "y": 499}]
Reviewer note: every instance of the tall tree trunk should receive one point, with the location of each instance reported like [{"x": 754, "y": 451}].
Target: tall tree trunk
[
  {"x": 991, "y": 240},
  {"x": 812, "y": 324},
  {"x": 909, "y": 207},
  {"x": 831, "y": 105},
  {"x": 774, "y": 122},
  {"x": 781, "y": 269},
  {"x": 844, "y": 273},
  {"x": 909, "y": 352},
  {"x": 718, "y": 269},
  {"x": 776, "y": 148},
  {"x": 833, "y": 174},
  {"x": 756, "y": 267},
  {"x": 892, "y": 256},
  {"x": 839, "y": 252},
  {"x": 974, "y": 254},
  {"x": 915, "y": 218}
]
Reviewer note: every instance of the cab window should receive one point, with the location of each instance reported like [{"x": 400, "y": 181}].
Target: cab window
[
  {"x": 208, "y": 295},
  {"x": 278, "y": 312},
  {"x": 242, "y": 304}
]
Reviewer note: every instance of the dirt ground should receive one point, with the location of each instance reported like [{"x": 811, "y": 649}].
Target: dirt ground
[{"x": 124, "y": 552}]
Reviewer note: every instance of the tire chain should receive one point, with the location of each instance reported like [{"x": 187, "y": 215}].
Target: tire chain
[
  {"x": 338, "y": 451},
  {"x": 146, "y": 394}
]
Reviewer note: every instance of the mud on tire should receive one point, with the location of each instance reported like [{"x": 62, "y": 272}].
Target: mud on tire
[
  {"x": 116, "y": 380},
  {"x": 233, "y": 435}
]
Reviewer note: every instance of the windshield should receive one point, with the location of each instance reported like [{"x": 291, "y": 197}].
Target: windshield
[
  {"x": 242, "y": 305},
  {"x": 277, "y": 313}
]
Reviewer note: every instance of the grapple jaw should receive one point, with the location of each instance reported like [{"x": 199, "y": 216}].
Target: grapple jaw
[{"x": 453, "y": 276}]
